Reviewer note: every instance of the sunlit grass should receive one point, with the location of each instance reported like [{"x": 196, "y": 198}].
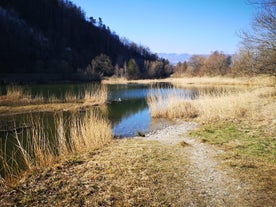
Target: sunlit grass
[
  {"x": 220, "y": 105},
  {"x": 260, "y": 80},
  {"x": 17, "y": 100},
  {"x": 240, "y": 120},
  {"x": 240, "y": 139}
]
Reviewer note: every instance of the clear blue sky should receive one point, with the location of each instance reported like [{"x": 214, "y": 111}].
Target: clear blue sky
[{"x": 175, "y": 26}]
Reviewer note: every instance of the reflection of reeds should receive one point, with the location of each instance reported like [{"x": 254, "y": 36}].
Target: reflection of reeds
[{"x": 40, "y": 147}]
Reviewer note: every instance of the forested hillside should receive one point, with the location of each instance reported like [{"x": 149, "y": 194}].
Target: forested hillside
[{"x": 55, "y": 37}]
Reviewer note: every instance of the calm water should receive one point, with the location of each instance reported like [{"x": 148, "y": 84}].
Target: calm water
[{"x": 128, "y": 109}]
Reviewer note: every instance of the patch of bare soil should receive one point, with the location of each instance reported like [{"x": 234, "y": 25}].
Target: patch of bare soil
[{"x": 165, "y": 168}]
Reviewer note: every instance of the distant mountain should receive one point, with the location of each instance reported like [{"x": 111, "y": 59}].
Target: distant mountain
[{"x": 174, "y": 58}]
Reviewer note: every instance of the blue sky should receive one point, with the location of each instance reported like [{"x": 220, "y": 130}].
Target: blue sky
[{"x": 175, "y": 26}]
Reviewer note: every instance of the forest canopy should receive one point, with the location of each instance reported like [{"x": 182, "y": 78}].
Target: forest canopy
[{"x": 55, "y": 37}]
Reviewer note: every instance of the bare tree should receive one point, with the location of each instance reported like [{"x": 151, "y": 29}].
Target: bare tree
[
  {"x": 243, "y": 63},
  {"x": 196, "y": 62},
  {"x": 262, "y": 39},
  {"x": 216, "y": 64}
]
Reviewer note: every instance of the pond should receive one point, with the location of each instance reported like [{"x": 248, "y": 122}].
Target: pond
[{"x": 126, "y": 109}]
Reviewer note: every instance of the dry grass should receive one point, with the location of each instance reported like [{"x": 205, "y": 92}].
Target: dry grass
[
  {"x": 220, "y": 106},
  {"x": 17, "y": 101},
  {"x": 16, "y": 95},
  {"x": 135, "y": 172},
  {"x": 115, "y": 80},
  {"x": 260, "y": 80},
  {"x": 40, "y": 148},
  {"x": 126, "y": 173},
  {"x": 172, "y": 105},
  {"x": 93, "y": 95},
  {"x": 242, "y": 122}
]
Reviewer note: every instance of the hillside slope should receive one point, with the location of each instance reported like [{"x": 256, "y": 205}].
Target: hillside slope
[{"x": 54, "y": 36}]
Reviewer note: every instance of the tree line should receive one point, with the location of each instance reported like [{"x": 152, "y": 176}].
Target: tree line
[{"x": 54, "y": 36}]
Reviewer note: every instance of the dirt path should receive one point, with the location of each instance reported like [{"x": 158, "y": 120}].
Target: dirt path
[
  {"x": 166, "y": 168},
  {"x": 206, "y": 180}
]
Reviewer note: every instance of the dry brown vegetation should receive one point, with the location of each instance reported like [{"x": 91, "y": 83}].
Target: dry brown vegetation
[
  {"x": 260, "y": 80},
  {"x": 148, "y": 173},
  {"x": 125, "y": 173},
  {"x": 140, "y": 173},
  {"x": 18, "y": 101},
  {"x": 252, "y": 103},
  {"x": 39, "y": 149}
]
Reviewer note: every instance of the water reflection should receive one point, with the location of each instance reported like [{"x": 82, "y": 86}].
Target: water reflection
[{"x": 128, "y": 109}]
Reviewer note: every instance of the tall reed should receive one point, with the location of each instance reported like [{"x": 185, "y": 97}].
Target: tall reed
[
  {"x": 219, "y": 105},
  {"x": 260, "y": 80},
  {"x": 173, "y": 104},
  {"x": 40, "y": 146},
  {"x": 96, "y": 94},
  {"x": 92, "y": 95}
]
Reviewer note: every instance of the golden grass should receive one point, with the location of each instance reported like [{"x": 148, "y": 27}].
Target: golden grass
[
  {"x": 172, "y": 105},
  {"x": 221, "y": 106},
  {"x": 16, "y": 95},
  {"x": 133, "y": 172},
  {"x": 96, "y": 95},
  {"x": 17, "y": 101},
  {"x": 115, "y": 80},
  {"x": 38, "y": 149},
  {"x": 260, "y": 80},
  {"x": 126, "y": 173}
]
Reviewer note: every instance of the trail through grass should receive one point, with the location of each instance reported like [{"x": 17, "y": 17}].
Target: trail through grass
[{"x": 137, "y": 172}]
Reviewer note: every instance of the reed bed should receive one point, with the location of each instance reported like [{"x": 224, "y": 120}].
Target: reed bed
[
  {"x": 16, "y": 100},
  {"x": 98, "y": 94},
  {"x": 15, "y": 95},
  {"x": 222, "y": 105},
  {"x": 261, "y": 80},
  {"x": 115, "y": 80},
  {"x": 40, "y": 147}
]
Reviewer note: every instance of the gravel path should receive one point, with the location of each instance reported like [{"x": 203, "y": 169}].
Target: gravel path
[{"x": 208, "y": 184}]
